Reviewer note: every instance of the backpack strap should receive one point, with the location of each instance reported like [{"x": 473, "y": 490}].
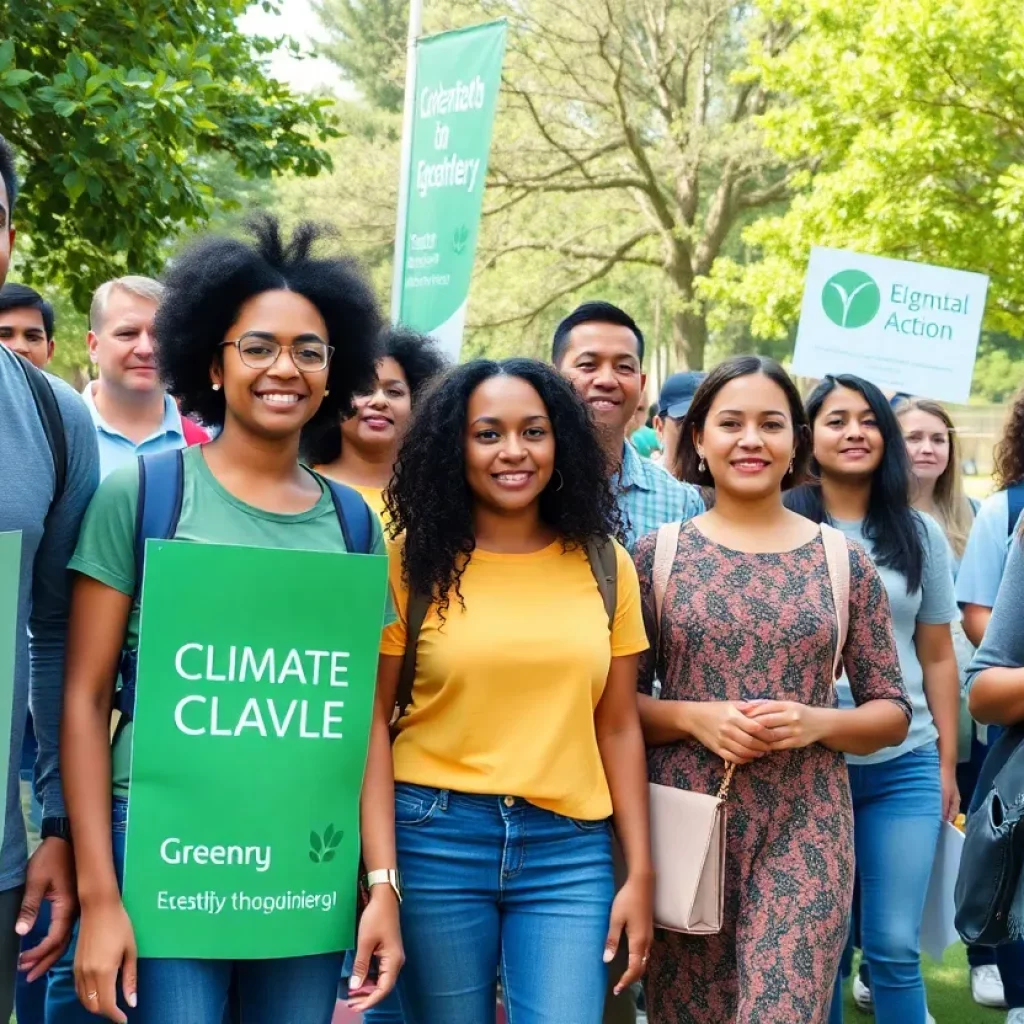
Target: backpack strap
[
  {"x": 53, "y": 424},
  {"x": 1014, "y": 506},
  {"x": 354, "y": 516},
  {"x": 415, "y": 613},
  {"x": 837, "y": 558},
  {"x": 161, "y": 486},
  {"x": 664, "y": 555},
  {"x": 605, "y": 567}
]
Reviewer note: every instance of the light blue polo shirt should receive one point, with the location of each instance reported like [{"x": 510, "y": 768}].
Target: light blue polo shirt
[{"x": 116, "y": 450}]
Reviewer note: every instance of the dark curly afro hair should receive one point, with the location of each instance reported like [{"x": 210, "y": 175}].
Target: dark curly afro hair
[
  {"x": 430, "y": 501},
  {"x": 420, "y": 360},
  {"x": 211, "y": 280}
]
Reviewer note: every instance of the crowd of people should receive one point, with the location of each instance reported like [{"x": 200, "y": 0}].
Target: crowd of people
[{"x": 540, "y": 664}]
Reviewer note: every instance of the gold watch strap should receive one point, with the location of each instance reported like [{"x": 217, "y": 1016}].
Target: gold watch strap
[{"x": 385, "y": 876}]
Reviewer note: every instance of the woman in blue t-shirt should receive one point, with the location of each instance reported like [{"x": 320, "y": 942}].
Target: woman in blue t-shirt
[{"x": 901, "y": 794}]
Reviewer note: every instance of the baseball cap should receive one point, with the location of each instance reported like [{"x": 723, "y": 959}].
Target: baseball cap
[{"x": 677, "y": 393}]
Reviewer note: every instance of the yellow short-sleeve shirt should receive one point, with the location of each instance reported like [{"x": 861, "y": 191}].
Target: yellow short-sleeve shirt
[{"x": 506, "y": 688}]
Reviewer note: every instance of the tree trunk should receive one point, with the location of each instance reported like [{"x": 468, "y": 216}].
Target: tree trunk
[{"x": 689, "y": 340}]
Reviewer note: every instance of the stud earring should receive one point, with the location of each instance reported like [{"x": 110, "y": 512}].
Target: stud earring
[{"x": 215, "y": 387}]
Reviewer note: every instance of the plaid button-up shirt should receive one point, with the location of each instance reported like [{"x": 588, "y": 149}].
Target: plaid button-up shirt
[{"x": 650, "y": 496}]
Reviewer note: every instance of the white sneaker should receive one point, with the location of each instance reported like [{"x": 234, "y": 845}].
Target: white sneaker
[
  {"x": 987, "y": 986},
  {"x": 1015, "y": 1017},
  {"x": 862, "y": 995}
]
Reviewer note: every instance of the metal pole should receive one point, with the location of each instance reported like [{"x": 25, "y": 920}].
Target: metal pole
[{"x": 398, "y": 271}]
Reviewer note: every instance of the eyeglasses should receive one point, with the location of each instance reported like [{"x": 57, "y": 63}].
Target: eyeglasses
[{"x": 261, "y": 352}]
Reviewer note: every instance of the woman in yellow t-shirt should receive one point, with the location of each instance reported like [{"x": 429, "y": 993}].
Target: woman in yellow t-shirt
[
  {"x": 361, "y": 450},
  {"x": 522, "y": 737}
]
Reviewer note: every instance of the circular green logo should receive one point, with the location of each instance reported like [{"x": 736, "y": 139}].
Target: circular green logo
[{"x": 850, "y": 298}]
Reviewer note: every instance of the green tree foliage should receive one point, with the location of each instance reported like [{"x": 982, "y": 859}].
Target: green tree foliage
[
  {"x": 912, "y": 114},
  {"x": 628, "y": 136},
  {"x": 366, "y": 39},
  {"x": 121, "y": 111}
]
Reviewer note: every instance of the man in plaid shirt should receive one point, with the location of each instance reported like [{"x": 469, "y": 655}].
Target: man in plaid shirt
[{"x": 600, "y": 350}]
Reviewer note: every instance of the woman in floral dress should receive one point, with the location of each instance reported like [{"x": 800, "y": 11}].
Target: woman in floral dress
[{"x": 745, "y": 655}]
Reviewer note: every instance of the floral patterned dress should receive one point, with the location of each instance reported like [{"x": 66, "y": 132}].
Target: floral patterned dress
[{"x": 739, "y": 626}]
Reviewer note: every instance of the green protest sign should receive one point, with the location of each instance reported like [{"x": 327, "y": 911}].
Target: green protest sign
[
  {"x": 10, "y": 577},
  {"x": 458, "y": 75},
  {"x": 254, "y": 701}
]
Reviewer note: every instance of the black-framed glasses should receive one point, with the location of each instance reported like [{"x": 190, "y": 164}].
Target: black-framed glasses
[{"x": 261, "y": 351}]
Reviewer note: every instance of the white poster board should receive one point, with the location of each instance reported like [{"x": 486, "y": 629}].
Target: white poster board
[
  {"x": 938, "y": 932},
  {"x": 909, "y": 327}
]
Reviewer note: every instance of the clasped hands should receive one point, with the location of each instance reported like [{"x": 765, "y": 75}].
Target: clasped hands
[{"x": 743, "y": 731}]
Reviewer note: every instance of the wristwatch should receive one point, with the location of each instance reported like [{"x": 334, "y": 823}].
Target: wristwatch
[
  {"x": 385, "y": 876},
  {"x": 56, "y": 828}
]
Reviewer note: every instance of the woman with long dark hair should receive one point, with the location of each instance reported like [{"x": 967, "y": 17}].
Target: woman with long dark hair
[
  {"x": 521, "y": 743},
  {"x": 361, "y": 451},
  {"x": 262, "y": 340},
  {"x": 745, "y": 649},
  {"x": 901, "y": 794}
]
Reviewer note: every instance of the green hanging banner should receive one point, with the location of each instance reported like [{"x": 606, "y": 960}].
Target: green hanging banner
[
  {"x": 458, "y": 75},
  {"x": 251, "y": 727}
]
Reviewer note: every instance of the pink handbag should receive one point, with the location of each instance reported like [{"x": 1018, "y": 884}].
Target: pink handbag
[{"x": 688, "y": 830}]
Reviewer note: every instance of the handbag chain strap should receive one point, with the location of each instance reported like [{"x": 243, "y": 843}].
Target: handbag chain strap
[{"x": 723, "y": 789}]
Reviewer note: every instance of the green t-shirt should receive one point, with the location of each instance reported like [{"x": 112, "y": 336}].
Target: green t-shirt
[{"x": 209, "y": 514}]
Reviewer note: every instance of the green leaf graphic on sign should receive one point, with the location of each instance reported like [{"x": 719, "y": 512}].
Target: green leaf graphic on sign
[
  {"x": 850, "y": 298},
  {"x": 460, "y": 239},
  {"x": 321, "y": 851}
]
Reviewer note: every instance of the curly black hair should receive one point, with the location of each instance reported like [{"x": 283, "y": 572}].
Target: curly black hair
[
  {"x": 431, "y": 503},
  {"x": 210, "y": 281},
  {"x": 1009, "y": 452},
  {"x": 420, "y": 360}
]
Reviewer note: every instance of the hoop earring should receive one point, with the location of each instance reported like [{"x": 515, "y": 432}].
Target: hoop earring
[{"x": 561, "y": 480}]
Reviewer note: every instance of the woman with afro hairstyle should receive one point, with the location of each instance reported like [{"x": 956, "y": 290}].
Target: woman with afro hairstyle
[
  {"x": 361, "y": 451},
  {"x": 262, "y": 340},
  {"x": 521, "y": 739}
]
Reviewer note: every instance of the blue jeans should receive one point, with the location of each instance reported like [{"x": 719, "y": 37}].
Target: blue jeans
[
  {"x": 897, "y": 812},
  {"x": 296, "y": 990},
  {"x": 496, "y": 884}
]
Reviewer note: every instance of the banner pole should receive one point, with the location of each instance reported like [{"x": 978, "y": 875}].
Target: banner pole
[{"x": 401, "y": 224}]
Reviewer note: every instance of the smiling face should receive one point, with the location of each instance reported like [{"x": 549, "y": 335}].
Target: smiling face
[
  {"x": 381, "y": 415},
  {"x": 122, "y": 344},
  {"x": 928, "y": 443},
  {"x": 602, "y": 361},
  {"x": 509, "y": 445},
  {"x": 748, "y": 438},
  {"x": 279, "y": 401},
  {"x": 23, "y": 330},
  {"x": 847, "y": 441}
]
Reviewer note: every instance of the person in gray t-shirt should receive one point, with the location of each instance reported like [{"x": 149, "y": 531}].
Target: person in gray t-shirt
[
  {"x": 900, "y": 794},
  {"x": 49, "y": 530}
]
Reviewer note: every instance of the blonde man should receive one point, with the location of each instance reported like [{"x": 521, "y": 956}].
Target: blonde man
[{"x": 132, "y": 413}]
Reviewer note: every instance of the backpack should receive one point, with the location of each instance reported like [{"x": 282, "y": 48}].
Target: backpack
[
  {"x": 53, "y": 424},
  {"x": 161, "y": 488},
  {"x": 603, "y": 564},
  {"x": 1014, "y": 506}
]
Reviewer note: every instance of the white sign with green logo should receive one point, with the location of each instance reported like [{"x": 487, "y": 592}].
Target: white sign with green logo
[
  {"x": 909, "y": 327},
  {"x": 458, "y": 75}
]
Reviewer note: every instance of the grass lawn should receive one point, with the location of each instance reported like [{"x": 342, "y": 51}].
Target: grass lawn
[{"x": 949, "y": 994}]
